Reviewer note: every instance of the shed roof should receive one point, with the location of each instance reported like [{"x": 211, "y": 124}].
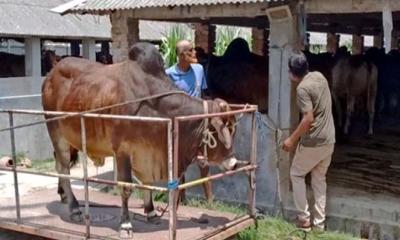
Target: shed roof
[
  {"x": 21, "y": 18},
  {"x": 91, "y": 6},
  {"x": 24, "y": 18}
]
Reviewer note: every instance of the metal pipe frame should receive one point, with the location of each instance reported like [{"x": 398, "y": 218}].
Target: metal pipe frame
[
  {"x": 85, "y": 176},
  {"x": 14, "y": 167},
  {"x": 87, "y": 115},
  {"x": 173, "y": 155},
  {"x": 251, "y": 109},
  {"x": 64, "y": 115},
  {"x": 90, "y": 179}
]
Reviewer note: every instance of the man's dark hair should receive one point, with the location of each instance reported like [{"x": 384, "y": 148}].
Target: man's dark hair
[{"x": 298, "y": 64}]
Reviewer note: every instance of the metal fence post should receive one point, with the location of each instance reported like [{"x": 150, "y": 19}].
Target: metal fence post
[
  {"x": 172, "y": 174},
  {"x": 85, "y": 176},
  {"x": 14, "y": 166},
  {"x": 253, "y": 161}
]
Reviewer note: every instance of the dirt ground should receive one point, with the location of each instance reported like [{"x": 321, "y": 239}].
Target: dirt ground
[
  {"x": 371, "y": 164},
  {"x": 9, "y": 235}
]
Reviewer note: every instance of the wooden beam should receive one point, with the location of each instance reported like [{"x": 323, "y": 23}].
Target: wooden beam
[
  {"x": 349, "y": 6},
  {"x": 201, "y": 11}
]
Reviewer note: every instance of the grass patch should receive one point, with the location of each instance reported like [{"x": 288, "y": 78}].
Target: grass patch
[
  {"x": 276, "y": 228},
  {"x": 269, "y": 227},
  {"x": 46, "y": 165}
]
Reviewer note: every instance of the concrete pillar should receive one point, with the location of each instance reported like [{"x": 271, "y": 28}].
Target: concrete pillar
[
  {"x": 204, "y": 36},
  {"x": 33, "y": 66},
  {"x": 260, "y": 41},
  {"x": 378, "y": 41},
  {"x": 75, "y": 49},
  {"x": 332, "y": 42},
  {"x": 284, "y": 37},
  {"x": 89, "y": 49},
  {"x": 307, "y": 42},
  {"x": 124, "y": 32},
  {"x": 358, "y": 44}
]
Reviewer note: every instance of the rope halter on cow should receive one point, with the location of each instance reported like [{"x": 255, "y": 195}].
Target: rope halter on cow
[{"x": 208, "y": 140}]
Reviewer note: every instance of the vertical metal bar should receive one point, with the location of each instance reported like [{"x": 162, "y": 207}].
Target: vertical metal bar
[
  {"x": 14, "y": 166},
  {"x": 85, "y": 177},
  {"x": 172, "y": 175},
  {"x": 252, "y": 175},
  {"x": 115, "y": 171}
]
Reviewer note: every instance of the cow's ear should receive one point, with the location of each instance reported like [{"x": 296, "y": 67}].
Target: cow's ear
[{"x": 224, "y": 135}]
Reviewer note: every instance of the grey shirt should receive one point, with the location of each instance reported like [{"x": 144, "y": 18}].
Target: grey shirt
[{"x": 313, "y": 94}]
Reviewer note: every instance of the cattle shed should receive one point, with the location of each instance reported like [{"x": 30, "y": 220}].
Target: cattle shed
[{"x": 367, "y": 207}]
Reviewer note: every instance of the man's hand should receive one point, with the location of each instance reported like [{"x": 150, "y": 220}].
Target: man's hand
[{"x": 288, "y": 145}]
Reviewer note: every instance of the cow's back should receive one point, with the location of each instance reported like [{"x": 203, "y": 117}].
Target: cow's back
[{"x": 58, "y": 82}]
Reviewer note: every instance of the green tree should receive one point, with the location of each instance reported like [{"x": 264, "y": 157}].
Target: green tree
[
  {"x": 225, "y": 35},
  {"x": 169, "y": 40}
]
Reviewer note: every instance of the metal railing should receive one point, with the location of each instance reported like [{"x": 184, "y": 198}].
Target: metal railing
[{"x": 173, "y": 157}]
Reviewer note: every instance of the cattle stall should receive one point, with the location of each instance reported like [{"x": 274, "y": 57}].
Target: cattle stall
[{"x": 40, "y": 212}]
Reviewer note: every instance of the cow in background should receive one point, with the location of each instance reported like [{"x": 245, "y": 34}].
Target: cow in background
[
  {"x": 49, "y": 60},
  {"x": 354, "y": 77},
  {"x": 388, "y": 97},
  {"x": 239, "y": 76}
]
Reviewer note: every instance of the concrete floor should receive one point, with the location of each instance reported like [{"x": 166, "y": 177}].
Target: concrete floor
[{"x": 42, "y": 211}]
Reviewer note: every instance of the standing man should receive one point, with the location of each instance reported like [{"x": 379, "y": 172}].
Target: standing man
[
  {"x": 315, "y": 136},
  {"x": 187, "y": 74}
]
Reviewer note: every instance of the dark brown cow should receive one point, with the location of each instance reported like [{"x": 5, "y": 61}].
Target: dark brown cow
[
  {"x": 239, "y": 76},
  {"x": 79, "y": 85}
]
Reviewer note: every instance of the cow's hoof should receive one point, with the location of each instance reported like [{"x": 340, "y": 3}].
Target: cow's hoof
[
  {"x": 152, "y": 217},
  {"x": 76, "y": 216},
  {"x": 126, "y": 230},
  {"x": 64, "y": 199}
]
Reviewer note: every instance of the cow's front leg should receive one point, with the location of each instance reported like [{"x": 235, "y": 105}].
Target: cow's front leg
[
  {"x": 124, "y": 175},
  {"x": 148, "y": 205},
  {"x": 207, "y": 186},
  {"x": 350, "y": 110}
]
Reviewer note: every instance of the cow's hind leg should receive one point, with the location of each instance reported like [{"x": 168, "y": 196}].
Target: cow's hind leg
[
  {"x": 350, "y": 110},
  {"x": 371, "y": 114},
  {"x": 125, "y": 175},
  {"x": 63, "y": 163},
  {"x": 73, "y": 160}
]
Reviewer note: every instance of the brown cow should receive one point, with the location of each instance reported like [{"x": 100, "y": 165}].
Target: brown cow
[
  {"x": 354, "y": 77},
  {"x": 140, "y": 147}
]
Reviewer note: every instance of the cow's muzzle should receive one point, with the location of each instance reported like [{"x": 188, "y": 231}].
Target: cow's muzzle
[{"x": 228, "y": 164}]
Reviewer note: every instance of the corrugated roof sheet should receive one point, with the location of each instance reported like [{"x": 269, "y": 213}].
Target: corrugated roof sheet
[
  {"x": 20, "y": 18},
  {"x": 109, "y": 5}
]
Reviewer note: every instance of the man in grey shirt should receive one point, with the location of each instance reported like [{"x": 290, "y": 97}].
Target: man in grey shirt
[{"x": 315, "y": 136}]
